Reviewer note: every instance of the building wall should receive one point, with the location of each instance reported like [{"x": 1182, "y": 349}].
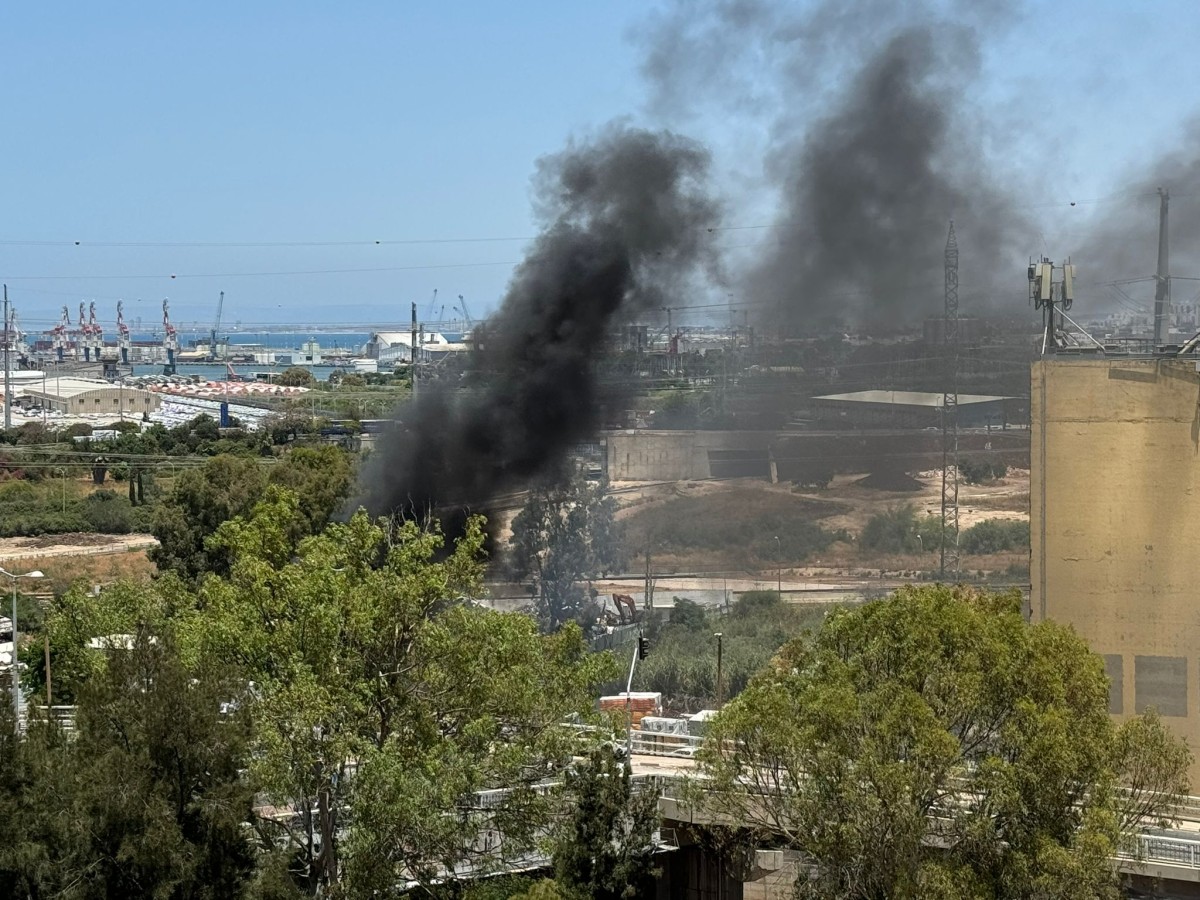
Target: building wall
[
  {"x": 1115, "y": 505},
  {"x": 101, "y": 401},
  {"x": 646, "y": 455}
]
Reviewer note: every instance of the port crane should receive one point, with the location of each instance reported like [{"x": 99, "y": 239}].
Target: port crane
[
  {"x": 170, "y": 340},
  {"x": 95, "y": 331},
  {"x": 212, "y": 335},
  {"x": 123, "y": 341},
  {"x": 462, "y": 307},
  {"x": 62, "y": 334},
  {"x": 83, "y": 333}
]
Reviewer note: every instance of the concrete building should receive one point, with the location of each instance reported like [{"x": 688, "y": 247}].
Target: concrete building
[
  {"x": 80, "y": 396},
  {"x": 1115, "y": 508},
  {"x": 914, "y": 409}
]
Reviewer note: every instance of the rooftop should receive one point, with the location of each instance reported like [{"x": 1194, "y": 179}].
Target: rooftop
[
  {"x": 64, "y": 388},
  {"x": 909, "y": 398}
]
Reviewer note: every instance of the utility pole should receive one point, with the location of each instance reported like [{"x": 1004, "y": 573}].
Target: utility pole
[
  {"x": 949, "y": 556},
  {"x": 7, "y": 379},
  {"x": 413, "y": 347},
  {"x": 648, "y": 591},
  {"x": 1162, "y": 279}
]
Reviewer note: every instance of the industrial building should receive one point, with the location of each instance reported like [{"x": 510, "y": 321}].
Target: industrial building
[
  {"x": 915, "y": 409},
  {"x": 392, "y": 347},
  {"x": 80, "y": 396},
  {"x": 1115, "y": 509}
]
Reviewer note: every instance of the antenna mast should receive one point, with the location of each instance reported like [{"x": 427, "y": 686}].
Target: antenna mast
[
  {"x": 1162, "y": 279},
  {"x": 950, "y": 557}
]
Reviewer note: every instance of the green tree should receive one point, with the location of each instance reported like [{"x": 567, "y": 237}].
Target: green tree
[
  {"x": 202, "y": 499},
  {"x": 933, "y": 744},
  {"x": 565, "y": 535},
  {"x": 368, "y": 659},
  {"x": 606, "y": 850},
  {"x": 296, "y": 376},
  {"x": 320, "y": 476},
  {"x": 147, "y": 799}
]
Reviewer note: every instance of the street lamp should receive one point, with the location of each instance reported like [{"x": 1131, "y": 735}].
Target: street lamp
[
  {"x": 778, "y": 568},
  {"x": 12, "y": 670}
]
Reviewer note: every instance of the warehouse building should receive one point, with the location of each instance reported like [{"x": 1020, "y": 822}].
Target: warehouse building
[
  {"x": 915, "y": 409},
  {"x": 82, "y": 396}
]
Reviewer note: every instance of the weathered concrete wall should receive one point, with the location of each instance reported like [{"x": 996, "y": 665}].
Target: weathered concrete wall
[
  {"x": 644, "y": 455},
  {"x": 1115, "y": 504}
]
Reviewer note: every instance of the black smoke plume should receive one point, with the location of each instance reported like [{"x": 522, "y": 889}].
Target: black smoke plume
[
  {"x": 625, "y": 225},
  {"x": 872, "y": 147},
  {"x": 1117, "y": 254},
  {"x": 867, "y": 195}
]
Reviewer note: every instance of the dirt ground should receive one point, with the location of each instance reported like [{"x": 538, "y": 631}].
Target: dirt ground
[
  {"x": 75, "y": 545},
  {"x": 845, "y": 504}
]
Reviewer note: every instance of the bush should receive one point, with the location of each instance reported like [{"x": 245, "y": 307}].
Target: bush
[
  {"x": 108, "y": 513},
  {"x": 976, "y": 470},
  {"x": 892, "y": 531},
  {"x": 995, "y": 536},
  {"x": 688, "y": 614}
]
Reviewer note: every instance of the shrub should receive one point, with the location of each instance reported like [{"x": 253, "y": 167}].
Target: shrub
[
  {"x": 976, "y": 470},
  {"x": 892, "y": 531},
  {"x": 995, "y": 536}
]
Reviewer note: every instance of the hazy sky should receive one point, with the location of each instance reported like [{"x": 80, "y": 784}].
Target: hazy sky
[{"x": 227, "y": 123}]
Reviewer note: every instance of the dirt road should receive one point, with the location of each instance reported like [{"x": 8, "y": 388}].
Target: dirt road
[{"x": 50, "y": 545}]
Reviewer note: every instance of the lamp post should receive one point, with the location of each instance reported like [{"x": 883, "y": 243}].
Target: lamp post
[
  {"x": 720, "y": 693},
  {"x": 778, "y": 568},
  {"x": 16, "y": 682}
]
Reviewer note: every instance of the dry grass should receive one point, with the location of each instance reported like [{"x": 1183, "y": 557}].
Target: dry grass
[{"x": 63, "y": 571}]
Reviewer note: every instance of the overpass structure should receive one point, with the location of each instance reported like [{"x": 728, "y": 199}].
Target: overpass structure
[{"x": 1164, "y": 862}]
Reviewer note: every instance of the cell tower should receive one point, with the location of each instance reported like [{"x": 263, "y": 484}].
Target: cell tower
[{"x": 950, "y": 558}]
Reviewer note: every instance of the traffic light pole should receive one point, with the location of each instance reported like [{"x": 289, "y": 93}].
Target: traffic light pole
[{"x": 638, "y": 652}]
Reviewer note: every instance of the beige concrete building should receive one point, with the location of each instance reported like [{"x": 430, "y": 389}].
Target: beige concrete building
[
  {"x": 1115, "y": 507},
  {"x": 82, "y": 396}
]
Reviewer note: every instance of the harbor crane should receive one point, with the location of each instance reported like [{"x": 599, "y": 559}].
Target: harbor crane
[
  {"x": 62, "y": 334},
  {"x": 123, "y": 341},
  {"x": 83, "y": 333},
  {"x": 462, "y": 307},
  {"x": 95, "y": 331},
  {"x": 212, "y": 335},
  {"x": 170, "y": 340}
]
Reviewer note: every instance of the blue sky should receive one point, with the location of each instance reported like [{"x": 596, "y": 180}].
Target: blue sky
[{"x": 269, "y": 122}]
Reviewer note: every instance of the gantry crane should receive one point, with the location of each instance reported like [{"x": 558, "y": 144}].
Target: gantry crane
[
  {"x": 62, "y": 334},
  {"x": 95, "y": 331},
  {"x": 123, "y": 342},
  {"x": 83, "y": 333},
  {"x": 212, "y": 336}
]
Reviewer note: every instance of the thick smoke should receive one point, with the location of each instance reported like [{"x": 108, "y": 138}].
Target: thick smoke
[
  {"x": 871, "y": 149},
  {"x": 867, "y": 194},
  {"x": 626, "y": 224},
  {"x": 1121, "y": 243}
]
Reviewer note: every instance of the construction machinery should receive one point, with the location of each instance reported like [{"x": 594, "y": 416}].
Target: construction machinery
[
  {"x": 626, "y": 608},
  {"x": 170, "y": 340},
  {"x": 123, "y": 341}
]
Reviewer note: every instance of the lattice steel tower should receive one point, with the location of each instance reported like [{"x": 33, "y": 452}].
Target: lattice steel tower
[{"x": 950, "y": 558}]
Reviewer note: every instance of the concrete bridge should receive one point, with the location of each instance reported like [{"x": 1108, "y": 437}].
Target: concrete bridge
[{"x": 1165, "y": 863}]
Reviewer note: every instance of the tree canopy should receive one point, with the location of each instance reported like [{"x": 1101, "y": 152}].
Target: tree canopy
[
  {"x": 933, "y": 744},
  {"x": 565, "y": 535}
]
